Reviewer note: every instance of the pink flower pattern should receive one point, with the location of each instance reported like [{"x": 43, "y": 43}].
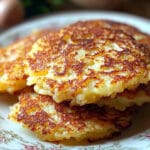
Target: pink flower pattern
[
  {"x": 148, "y": 136},
  {"x": 2, "y": 139},
  {"x": 30, "y": 147}
]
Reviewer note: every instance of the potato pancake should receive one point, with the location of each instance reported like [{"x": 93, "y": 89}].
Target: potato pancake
[
  {"x": 128, "y": 98},
  {"x": 51, "y": 121},
  {"x": 86, "y": 61},
  {"x": 12, "y": 75}
]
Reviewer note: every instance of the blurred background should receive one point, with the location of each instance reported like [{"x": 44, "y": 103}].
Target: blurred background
[{"x": 13, "y": 12}]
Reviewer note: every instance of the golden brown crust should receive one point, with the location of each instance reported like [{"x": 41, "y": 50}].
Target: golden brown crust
[
  {"x": 12, "y": 75},
  {"x": 42, "y": 115},
  {"x": 75, "y": 115},
  {"x": 132, "y": 93},
  {"x": 128, "y": 98},
  {"x": 87, "y": 55},
  {"x": 138, "y": 35}
]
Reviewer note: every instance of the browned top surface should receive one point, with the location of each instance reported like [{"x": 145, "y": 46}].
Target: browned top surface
[
  {"x": 23, "y": 45},
  {"x": 87, "y": 35},
  {"x": 11, "y": 63},
  {"x": 60, "y": 53},
  {"x": 32, "y": 113}
]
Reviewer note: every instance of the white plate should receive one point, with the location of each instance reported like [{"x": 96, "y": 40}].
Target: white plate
[{"x": 14, "y": 137}]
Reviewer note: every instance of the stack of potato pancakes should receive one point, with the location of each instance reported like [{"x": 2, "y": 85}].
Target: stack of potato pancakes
[{"x": 80, "y": 82}]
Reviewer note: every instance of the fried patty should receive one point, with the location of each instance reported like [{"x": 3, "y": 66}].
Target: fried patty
[
  {"x": 87, "y": 61},
  {"x": 141, "y": 37},
  {"x": 51, "y": 121},
  {"x": 128, "y": 98},
  {"x": 12, "y": 75}
]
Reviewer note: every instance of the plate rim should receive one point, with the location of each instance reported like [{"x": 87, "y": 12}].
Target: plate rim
[{"x": 71, "y": 13}]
